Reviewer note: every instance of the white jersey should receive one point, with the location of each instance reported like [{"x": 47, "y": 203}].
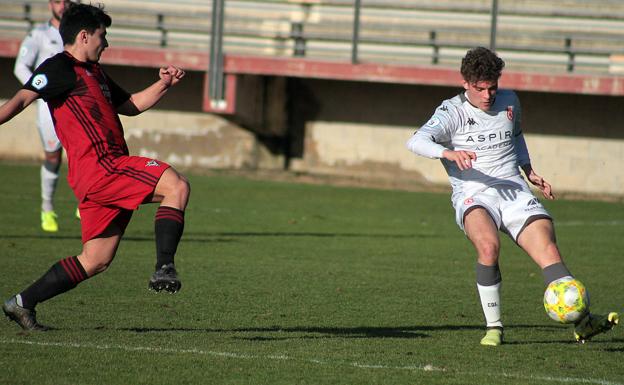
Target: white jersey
[
  {"x": 43, "y": 42},
  {"x": 495, "y": 136}
]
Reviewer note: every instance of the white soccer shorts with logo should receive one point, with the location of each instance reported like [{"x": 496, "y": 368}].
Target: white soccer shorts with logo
[{"x": 511, "y": 204}]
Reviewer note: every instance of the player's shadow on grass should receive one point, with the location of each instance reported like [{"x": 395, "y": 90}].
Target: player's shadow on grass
[
  {"x": 276, "y": 333},
  {"x": 199, "y": 237},
  {"x": 305, "y": 332},
  {"x": 312, "y": 234},
  {"x": 128, "y": 238}
]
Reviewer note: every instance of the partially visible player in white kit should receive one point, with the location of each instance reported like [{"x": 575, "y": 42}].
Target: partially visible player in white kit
[
  {"x": 478, "y": 137},
  {"x": 43, "y": 42}
]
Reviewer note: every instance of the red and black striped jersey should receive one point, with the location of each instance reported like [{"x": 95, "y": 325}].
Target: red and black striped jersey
[{"x": 83, "y": 102}]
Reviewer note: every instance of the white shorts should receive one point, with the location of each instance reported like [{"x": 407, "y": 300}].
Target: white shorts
[
  {"x": 511, "y": 205},
  {"x": 47, "y": 133}
]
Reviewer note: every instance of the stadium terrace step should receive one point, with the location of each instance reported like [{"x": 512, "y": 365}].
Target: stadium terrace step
[{"x": 560, "y": 35}]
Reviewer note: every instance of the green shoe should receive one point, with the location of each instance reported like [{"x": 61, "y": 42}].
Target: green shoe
[
  {"x": 493, "y": 337},
  {"x": 77, "y": 213},
  {"x": 48, "y": 221},
  {"x": 593, "y": 324}
]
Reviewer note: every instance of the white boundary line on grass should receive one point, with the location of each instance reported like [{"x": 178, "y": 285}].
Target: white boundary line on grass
[
  {"x": 424, "y": 368},
  {"x": 614, "y": 222}
]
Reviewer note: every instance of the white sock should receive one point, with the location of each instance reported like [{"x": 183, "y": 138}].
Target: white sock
[
  {"x": 490, "y": 302},
  {"x": 48, "y": 187}
]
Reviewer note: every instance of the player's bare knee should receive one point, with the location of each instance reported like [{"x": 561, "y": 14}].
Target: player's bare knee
[
  {"x": 487, "y": 252},
  {"x": 52, "y": 166},
  {"x": 93, "y": 263},
  {"x": 182, "y": 188}
]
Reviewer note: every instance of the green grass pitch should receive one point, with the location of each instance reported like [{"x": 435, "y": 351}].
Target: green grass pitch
[{"x": 288, "y": 283}]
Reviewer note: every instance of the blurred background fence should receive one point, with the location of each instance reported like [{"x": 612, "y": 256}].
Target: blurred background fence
[{"x": 558, "y": 35}]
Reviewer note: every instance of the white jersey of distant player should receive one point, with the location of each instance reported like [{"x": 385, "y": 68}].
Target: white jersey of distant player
[
  {"x": 494, "y": 136},
  {"x": 43, "y": 42}
]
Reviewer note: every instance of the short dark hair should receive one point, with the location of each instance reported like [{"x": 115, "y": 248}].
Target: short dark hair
[
  {"x": 82, "y": 16},
  {"x": 481, "y": 64}
]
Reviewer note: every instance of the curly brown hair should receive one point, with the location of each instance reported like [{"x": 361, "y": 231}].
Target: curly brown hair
[{"x": 481, "y": 64}]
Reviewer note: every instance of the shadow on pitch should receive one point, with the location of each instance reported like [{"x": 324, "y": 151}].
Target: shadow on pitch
[
  {"x": 276, "y": 333},
  {"x": 224, "y": 237},
  {"x": 128, "y": 238}
]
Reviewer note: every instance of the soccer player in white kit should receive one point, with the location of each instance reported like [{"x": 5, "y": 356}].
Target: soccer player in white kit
[
  {"x": 43, "y": 42},
  {"x": 478, "y": 137}
]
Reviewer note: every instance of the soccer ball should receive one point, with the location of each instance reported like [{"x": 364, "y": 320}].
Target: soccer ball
[{"x": 566, "y": 300}]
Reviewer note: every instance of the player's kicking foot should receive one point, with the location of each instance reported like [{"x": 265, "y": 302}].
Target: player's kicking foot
[
  {"x": 77, "y": 214},
  {"x": 593, "y": 324},
  {"x": 493, "y": 337},
  {"x": 48, "y": 221},
  {"x": 165, "y": 278},
  {"x": 25, "y": 318}
]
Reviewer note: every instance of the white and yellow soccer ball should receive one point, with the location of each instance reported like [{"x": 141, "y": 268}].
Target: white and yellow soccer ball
[{"x": 566, "y": 300}]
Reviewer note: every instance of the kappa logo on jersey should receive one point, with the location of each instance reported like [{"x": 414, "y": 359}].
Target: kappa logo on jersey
[
  {"x": 510, "y": 113},
  {"x": 444, "y": 108},
  {"x": 472, "y": 122},
  {"x": 152, "y": 163},
  {"x": 39, "y": 81}
]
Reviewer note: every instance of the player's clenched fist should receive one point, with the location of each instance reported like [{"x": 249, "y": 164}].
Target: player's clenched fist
[{"x": 171, "y": 75}]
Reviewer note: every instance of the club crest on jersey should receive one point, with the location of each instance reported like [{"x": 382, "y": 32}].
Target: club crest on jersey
[
  {"x": 152, "y": 163},
  {"x": 510, "y": 112},
  {"x": 468, "y": 201},
  {"x": 39, "y": 81}
]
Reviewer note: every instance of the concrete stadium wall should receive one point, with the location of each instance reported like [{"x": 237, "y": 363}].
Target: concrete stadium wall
[
  {"x": 576, "y": 142},
  {"x": 572, "y": 165},
  {"x": 345, "y": 128},
  {"x": 175, "y": 130}
]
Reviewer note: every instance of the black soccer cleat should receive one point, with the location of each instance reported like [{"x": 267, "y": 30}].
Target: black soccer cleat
[
  {"x": 165, "y": 278},
  {"x": 25, "y": 318},
  {"x": 593, "y": 324}
]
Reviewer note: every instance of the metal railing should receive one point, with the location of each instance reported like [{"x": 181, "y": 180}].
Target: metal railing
[{"x": 388, "y": 31}]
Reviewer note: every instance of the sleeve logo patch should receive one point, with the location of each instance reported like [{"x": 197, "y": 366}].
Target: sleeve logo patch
[
  {"x": 433, "y": 122},
  {"x": 39, "y": 81}
]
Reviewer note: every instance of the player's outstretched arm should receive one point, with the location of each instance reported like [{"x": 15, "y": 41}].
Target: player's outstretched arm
[
  {"x": 146, "y": 99},
  {"x": 538, "y": 181},
  {"x": 16, "y": 104}
]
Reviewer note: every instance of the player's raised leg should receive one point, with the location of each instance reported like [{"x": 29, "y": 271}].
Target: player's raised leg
[
  {"x": 64, "y": 275},
  {"x": 538, "y": 240},
  {"x": 483, "y": 234},
  {"x": 172, "y": 191}
]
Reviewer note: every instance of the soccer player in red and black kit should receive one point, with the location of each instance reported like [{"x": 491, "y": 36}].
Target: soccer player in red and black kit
[{"x": 109, "y": 184}]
